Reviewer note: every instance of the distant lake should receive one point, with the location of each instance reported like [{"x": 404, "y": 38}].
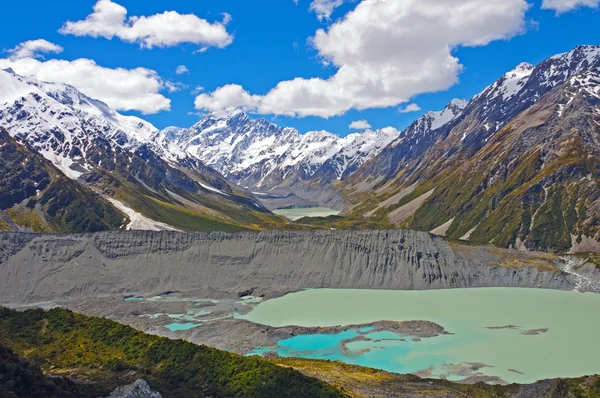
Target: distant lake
[
  {"x": 295, "y": 214},
  {"x": 517, "y": 335}
]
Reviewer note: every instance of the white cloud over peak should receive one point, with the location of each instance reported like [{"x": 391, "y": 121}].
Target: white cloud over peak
[
  {"x": 561, "y": 6},
  {"x": 34, "y": 49},
  {"x": 384, "y": 52},
  {"x": 182, "y": 70},
  {"x": 359, "y": 125},
  {"x": 170, "y": 28},
  {"x": 410, "y": 108},
  {"x": 324, "y": 8},
  {"x": 122, "y": 89},
  {"x": 226, "y": 98}
]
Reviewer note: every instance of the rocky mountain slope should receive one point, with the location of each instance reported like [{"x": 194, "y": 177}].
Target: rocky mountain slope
[
  {"x": 517, "y": 167},
  {"x": 35, "y": 194},
  {"x": 115, "y": 156},
  {"x": 41, "y": 268},
  {"x": 270, "y": 159}
]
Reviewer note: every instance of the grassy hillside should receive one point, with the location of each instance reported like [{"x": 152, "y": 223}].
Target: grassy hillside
[
  {"x": 360, "y": 382},
  {"x": 105, "y": 354}
]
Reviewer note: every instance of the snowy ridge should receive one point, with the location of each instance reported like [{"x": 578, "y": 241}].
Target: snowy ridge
[
  {"x": 360, "y": 149},
  {"x": 261, "y": 154},
  {"x": 511, "y": 83},
  {"x": 62, "y": 123},
  {"x": 431, "y": 121}
]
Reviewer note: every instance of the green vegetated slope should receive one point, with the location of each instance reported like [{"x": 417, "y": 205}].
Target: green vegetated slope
[
  {"x": 537, "y": 180},
  {"x": 176, "y": 195},
  {"x": 104, "y": 355},
  {"x": 34, "y": 194},
  {"x": 358, "y": 381},
  {"x": 19, "y": 378}
]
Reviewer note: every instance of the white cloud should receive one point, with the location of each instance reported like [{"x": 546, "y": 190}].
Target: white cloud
[
  {"x": 410, "y": 108},
  {"x": 182, "y": 70},
  {"x": 385, "y": 52},
  {"x": 324, "y": 8},
  {"x": 170, "y": 28},
  {"x": 561, "y": 6},
  {"x": 173, "y": 87},
  {"x": 226, "y": 98},
  {"x": 197, "y": 90},
  {"x": 34, "y": 49},
  {"x": 122, "y": 89},
  {"x": 360, "y": 125}
]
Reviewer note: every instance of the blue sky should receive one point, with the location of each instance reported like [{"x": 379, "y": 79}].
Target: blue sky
[{"x": 270, "y": 44}]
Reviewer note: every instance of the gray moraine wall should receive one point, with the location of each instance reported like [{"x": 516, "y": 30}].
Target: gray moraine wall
[{"x": 36, "y": 268}]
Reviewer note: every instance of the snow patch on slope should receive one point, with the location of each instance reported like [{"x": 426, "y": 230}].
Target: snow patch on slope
[{"x": 138, "y": 221}]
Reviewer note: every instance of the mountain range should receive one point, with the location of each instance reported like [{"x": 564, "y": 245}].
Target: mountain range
[
  {"x": 96, "y": 152},
  {"x": 516, "y": 165},
  {"x": 273, "y": 161}
]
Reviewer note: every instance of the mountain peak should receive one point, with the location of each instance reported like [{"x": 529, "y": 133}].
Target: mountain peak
[
  {"x": 33, "y": 108},
  {"x": 449, "y": 113},
  {"x": 523, "y": 67},
  {"x": 457, "y": 105}
]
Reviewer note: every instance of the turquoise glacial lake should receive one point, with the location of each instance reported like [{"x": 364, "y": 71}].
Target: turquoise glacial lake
[
  {"x": 296, "y": 214},
  {"x": 502, "y": 329}
]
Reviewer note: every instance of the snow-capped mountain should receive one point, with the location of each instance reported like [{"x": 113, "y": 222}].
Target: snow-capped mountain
[
  {"x": 519, "y": 89},
  {"x": 262, "y": 156},
  {"x": 410, "y": 144},
  {"x": 62, "y": 123},
  {"x": 116, "y": 156},
  {"x": 498, "y": 170},
  {"x": 464, "y": 128},
  {"x": 431, "y": 121},
  {"x": 359, "y": 149}
]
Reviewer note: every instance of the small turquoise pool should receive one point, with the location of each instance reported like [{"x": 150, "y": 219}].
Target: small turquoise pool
[{"x": 178, "y": 327}]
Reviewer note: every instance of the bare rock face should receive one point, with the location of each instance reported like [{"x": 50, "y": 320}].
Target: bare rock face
[
  {"x": 138, "y": 389},
  {"x": 38, "y": 268}
]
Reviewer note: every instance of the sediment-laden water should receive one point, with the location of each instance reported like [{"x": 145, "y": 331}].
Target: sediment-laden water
[
  {"x": 517, "y": 335},
  {"x": 296, "y": 214}
]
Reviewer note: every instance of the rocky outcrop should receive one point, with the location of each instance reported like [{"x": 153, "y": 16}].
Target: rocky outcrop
[
  {"x": 37, "y": 268},
  {"x": 137, "y": 389}
]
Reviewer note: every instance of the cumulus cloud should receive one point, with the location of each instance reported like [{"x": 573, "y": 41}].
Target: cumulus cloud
[
  {"x": 170, "y": 28},
  {"x": 324, "y": 8},
  {"x": 226, "y": 98},
  {"x": 410, "y": 108},
  {"x": 182, "y": 70},
  {"x": 359, "y": 125},
  {"x": 34, "y": 49},
  {"x": 561, "y": 6},
  {"x": 122, "y": 89},
  {"x": 385, "y": 52}
]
